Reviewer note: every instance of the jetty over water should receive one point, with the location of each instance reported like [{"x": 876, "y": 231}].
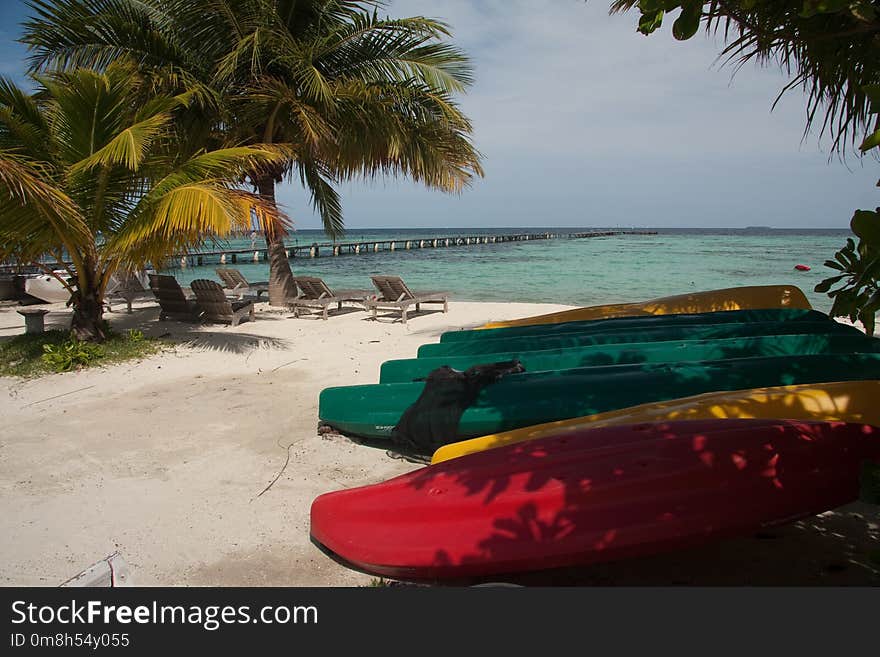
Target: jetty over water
[
  {"x": 335, "y": 249},
  {"x": 234, "y": 255}
]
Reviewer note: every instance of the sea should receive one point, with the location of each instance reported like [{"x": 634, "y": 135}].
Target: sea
[{"x": 579, "y": 272}]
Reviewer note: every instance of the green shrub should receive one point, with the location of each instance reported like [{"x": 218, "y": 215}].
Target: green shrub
[
  {"x": 56, "y": 351},
  {"x": 70, "y": 354}
]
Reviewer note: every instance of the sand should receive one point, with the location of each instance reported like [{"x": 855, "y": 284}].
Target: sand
[{"x": 163, "y": 460}]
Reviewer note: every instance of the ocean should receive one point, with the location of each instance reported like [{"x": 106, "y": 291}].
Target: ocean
[{"x": 570, "y": 271}]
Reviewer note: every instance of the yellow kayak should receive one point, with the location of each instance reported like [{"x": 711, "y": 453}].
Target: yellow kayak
[
  {"x": 847, "y": 401},
  {"x": 732, "y": 298}
]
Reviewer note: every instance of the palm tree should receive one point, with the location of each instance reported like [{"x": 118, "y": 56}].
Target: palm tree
[
  {"x": 347, "y": 92},
  {"x": 92, "y": 172}
]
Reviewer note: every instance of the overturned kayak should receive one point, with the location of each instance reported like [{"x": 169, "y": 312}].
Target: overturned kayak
[
  {"x": 611, "y": 336},
  {"x": 411, "y": 369},
  {"x": 734, "y": 298},
  {"x": 597, "y": 496},
  {"x": 841, "y": 401},
  {"x": 522, "y": 400},
  {"x": 640, "y": 323}
]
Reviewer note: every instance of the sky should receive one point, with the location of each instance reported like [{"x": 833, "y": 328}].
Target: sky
[{"x": 584, "y": 122}]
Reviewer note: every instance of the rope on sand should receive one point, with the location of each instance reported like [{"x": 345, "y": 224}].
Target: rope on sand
[
  {"x": 63, "y": 394},
  {"x": 280, "y": 472}
]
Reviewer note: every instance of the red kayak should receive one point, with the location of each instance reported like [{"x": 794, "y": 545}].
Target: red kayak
[
  {"x": 802, "y": 267},
  {"x": 599, "y": 495}
]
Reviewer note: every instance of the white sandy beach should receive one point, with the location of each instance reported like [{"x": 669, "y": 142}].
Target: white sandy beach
[{"x": 163, "y": 459}]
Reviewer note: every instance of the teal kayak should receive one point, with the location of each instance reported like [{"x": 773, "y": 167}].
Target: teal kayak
[
  {"x": 611, "y": 336},
  {"x": 643, "y": 322},
  {"x": 411, "y": 369},
  {"x": 521, "y": 400}
]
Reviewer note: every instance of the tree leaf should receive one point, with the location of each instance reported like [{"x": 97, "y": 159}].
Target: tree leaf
[
  {"x": 866, "y": 224},
  {"x": 649, "y": 23},
  {"x": 872, "y": 91},
  {"x": 687, "y": 24},
  {"x": 863, "y": 10},
  {"x": 872, "y": 141},
  {"x": 825, "y": 285},
  {"x": 815, "y": 7},
  {"x": 866, "y": 315}
]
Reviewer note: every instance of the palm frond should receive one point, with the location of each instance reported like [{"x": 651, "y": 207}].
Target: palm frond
[
  {"x": 35, "y": 215},
  {"x": 325, "y": 199},
  {"x": 67, "y": 34},
  {"x": 374, "y": 49},
  {"x": 185, "y": 216},
  {"x": 230, "y": 164},
  {"x": 831, "y": 51},
  {"x": 127, "y": 149}
]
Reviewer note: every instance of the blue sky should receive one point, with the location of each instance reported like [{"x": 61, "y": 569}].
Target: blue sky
[{"x": 584, "y": 122}]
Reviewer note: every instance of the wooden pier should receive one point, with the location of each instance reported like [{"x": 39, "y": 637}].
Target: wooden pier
[
  {"x": 232, "y": 256},
  {"x": 331, "y": 249}
]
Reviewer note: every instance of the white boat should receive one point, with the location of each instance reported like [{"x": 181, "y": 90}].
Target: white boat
[{"x": 47, "y": 288}]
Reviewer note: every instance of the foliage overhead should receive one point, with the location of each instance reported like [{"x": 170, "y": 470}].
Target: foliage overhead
[
  {"x": 348, "y": 92},
  {"x": 830, "y": 48}
]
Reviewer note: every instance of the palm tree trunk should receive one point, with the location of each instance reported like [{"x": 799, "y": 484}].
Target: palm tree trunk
[
  {"x": 281, "y": 284},
  {"x": 88, "y": 324}
]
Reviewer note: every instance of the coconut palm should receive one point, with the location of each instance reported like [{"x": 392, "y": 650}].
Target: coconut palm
[
  {"x": 92, "y": 172},
  {"x": 349, "y": 93}
]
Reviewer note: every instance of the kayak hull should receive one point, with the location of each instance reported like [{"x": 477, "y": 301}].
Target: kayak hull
[
  {"x": 612, "y": 336},
  {"x": 597, "y": 496},
  {"x": 523, "y": 400},
  {"x": 411, "y": 369},
  {"x": 735, "y": 298},
  {"x": 840, "y": 401},
  {"x": 640, "y": 323}
]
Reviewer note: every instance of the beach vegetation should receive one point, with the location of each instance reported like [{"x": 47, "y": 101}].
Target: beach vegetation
[
  {"x": 97, "y": 172},
  {"x": 70, "y": 354},
  {"x": 858, "y": 293},
  {"x": 31, "y": 355},
  {"x": 830, "y": 49},
  {"x": 347, "y": 92}
]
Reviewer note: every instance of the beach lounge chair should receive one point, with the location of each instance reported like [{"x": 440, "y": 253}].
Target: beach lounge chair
[
  {"x": 234, "y": 280},
  {"x": 172, "y": 300},
  {"x": 314, "y": 293},
  {"x": 395, "y": 295},
  {"x": 216, "y": 307},
  {"x": 125, "y": 286}
]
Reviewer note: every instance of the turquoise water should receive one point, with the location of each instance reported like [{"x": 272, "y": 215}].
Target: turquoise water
[{"x": 572, "y": 271}]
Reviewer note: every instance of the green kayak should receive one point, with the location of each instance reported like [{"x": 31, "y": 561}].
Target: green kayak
[
  {"x": 638, "y": 323},
  {"x": 659, "y": 334},
  {"x": 411, "y": 369},
  {"x": 521, "y": 400}
]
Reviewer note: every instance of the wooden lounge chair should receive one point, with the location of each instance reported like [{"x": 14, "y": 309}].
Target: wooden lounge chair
[
  {"x": 234, "y": 280},
  {"x": 216, "y": 307},
  {"x": 395, "y": 295},
  {"x": 314, "y": 293},
  {"x": 172, "y": 300}
]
